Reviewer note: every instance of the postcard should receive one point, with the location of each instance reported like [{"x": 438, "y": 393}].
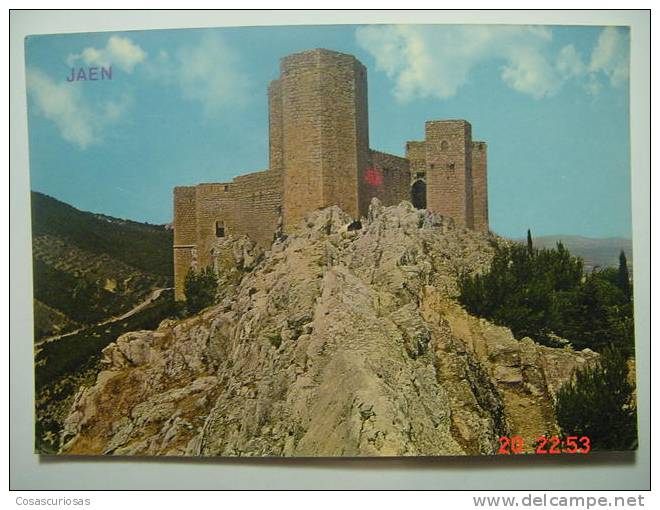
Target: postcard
[{"x": 332, "y": 241}]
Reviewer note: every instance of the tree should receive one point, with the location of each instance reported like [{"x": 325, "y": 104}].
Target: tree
[
  {"x": 599, "y": 315},
  {"x": 546, "y": 293},
  {"x": 528, "y": 292},
  {"x": 598, "y": 403},
  {"x": 200, "y": 288},
  {"x": 623, "y": 277},
  {"x": 530, "y": 245}
]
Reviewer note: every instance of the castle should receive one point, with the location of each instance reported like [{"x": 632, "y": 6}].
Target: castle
[{"x": 319, "y": 156}]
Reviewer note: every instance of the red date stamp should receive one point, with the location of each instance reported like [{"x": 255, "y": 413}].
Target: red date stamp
[{"x": 544, "y": 445}]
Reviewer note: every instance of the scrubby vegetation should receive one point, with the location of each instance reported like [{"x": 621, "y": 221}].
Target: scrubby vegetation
[
  {"x": 599, "y": 404},
  {"x": 200, "y": 288},
  {"x": 546, "y": 294}
]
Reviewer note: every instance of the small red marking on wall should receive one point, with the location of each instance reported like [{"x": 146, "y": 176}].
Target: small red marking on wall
[{"x": 374, "y": 177}]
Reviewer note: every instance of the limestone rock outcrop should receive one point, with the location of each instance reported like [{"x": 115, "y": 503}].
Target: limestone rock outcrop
[{"x": 336, "y": 341}]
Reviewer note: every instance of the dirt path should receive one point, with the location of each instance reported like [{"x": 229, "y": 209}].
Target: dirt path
[{"x": 155, "y": 294}]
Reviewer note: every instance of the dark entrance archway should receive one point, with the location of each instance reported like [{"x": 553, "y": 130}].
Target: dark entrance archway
[{"x": 418, "y": 194}]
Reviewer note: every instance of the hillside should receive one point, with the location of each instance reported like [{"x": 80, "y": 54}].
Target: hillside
[
  {"x": 62, "y": 365},
  {"x": 335, "y": 342},
  {"x": 89, "y": 267},
  {"x": 595, "y": 252}
]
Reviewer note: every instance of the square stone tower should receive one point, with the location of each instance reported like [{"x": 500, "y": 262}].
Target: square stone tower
[
  {"x": 319, "y": 133},
  {"x": 449, "y": 170}
]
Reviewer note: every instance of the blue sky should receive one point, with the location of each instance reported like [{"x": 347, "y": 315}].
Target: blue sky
[{"x": 189, "y": 106}]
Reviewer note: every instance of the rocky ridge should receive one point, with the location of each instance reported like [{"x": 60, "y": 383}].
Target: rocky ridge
[{"x": 343, "y": 339}]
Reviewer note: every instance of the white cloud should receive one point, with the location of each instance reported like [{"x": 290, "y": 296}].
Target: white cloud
[
  {"x": 610, "y": 56},
  {"x": 79, "y": 122},
  {"x": 119, "y": 51},
  {"x": 528, "y": 72},
  {"x": 209, "y": 73},
  {"x": 62, "y": 104},
  {"x": 436, "y": 61},
  {"x": 569, "y": 62}
]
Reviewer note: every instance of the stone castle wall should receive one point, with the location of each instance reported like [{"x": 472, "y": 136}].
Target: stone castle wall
[
  {"x": 319, "y": 156},
  {"x": 185, "y": 235},
  {"x": 275, "y": 127},
  {"x": 214, "y": 207},
  {"x": 416, "y": 155},
  {"x": 249, "y": 205},
  {"x": 390, "y": 182},
  {"x": 361, "y": 132},
  {"x": 455, "y": 170},
  {"x": 480, "y": 185},
  {"x": 257, "y": 206}
]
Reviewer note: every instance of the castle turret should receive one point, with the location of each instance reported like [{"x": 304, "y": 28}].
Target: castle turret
[{"x": 324, "y": 142}]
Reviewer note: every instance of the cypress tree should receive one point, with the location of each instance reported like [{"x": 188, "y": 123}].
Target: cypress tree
[
  {"x": 530, "y": 245},
  {"x": 623, "y": 277}
]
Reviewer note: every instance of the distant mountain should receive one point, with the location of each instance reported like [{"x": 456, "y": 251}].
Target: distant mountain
[
  {"x": 595, "y": 252},
  {"x": 89, "y": 267}
]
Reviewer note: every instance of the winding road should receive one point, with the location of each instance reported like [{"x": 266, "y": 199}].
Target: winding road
[{"x": 155, "y": 294}]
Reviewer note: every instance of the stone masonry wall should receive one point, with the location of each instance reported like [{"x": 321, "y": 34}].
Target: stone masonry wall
[
  {"x": 258, "y": 204},
  {"x": 449, "y": 169},
  {"x": 185, "y": 232},
  {"x": 215, "y": 204},
  {"x": 416, "y": 155},
  {"x": 249, "y": 205},
  {"x": 325, "y": 132},
  {"x": 275, "y": 127},
  {"x": 361, "y": 128},
  {"x": 480, "y": 185},
  {"x": 301, "y": 113},
  {"x": 340, "y": 125},
  {"x": 391, "y": 181}
]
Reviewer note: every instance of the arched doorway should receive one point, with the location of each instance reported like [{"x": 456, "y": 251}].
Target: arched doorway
[{"x": 418, "y": 194}]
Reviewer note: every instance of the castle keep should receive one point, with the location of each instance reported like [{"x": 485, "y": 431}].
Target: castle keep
[{"x": 319, "y": 156}]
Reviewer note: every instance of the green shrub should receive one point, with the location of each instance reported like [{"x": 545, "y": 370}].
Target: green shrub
[
  {"x": 200, "y": 288},
  {"x": 541, "y": 293},
  {"x": 598, "y": 404},
  {"x": 275, "y": 340}
]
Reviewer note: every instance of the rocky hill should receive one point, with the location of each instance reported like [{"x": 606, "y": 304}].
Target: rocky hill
[
  {"x": 88, "y": 267},
  {"x": 343, "y": 339}
]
